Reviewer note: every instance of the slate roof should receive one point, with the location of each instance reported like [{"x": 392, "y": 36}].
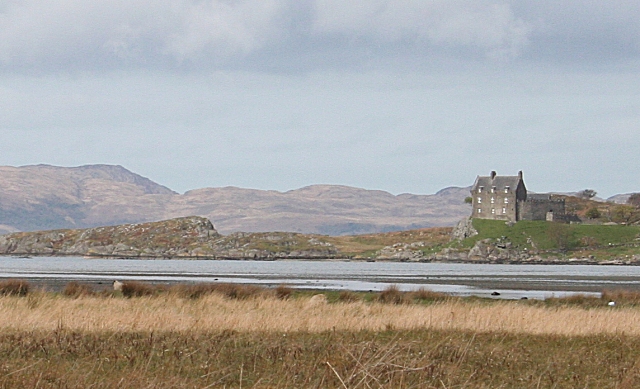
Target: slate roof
[{"x": 500, "y": 182}]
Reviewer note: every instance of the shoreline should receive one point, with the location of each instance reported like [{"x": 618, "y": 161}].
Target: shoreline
[{"x": 536, "y": 261}]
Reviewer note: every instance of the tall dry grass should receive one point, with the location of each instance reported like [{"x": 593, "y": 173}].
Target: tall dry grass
[
  {"x": 202, "y": 336},
  {"x": 169, "y": 312}
]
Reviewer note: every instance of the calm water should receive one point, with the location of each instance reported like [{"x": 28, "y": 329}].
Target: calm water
[{"x": 511, "y": 281}]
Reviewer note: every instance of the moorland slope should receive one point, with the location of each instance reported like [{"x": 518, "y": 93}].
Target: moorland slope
[{"x": 46, "y": 197}]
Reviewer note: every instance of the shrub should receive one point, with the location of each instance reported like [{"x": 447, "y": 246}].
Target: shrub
[
  {"x": 74, "y": 289},
  {"x": 593, "y": 213},
  {"x": 14, "y": 288}
]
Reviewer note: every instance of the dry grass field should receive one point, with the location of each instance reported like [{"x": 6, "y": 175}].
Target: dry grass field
[
  {"x": 206, "y": 337},
  {"x": 214, "y": 312}
]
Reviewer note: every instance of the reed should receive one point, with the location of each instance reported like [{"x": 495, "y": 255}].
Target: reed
[
  {"x": 64, "y": 358},
  {"x": 208, "y": 336},
  {"x": 169, "y": 312}
]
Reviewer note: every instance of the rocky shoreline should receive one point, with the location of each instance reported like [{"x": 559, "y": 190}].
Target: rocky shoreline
[{"x": 196, "y": 238}]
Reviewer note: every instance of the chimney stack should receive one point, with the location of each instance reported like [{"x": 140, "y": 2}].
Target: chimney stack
[
  {"x": 520, "y": 174},
  {"x": 493, "y": 174}
]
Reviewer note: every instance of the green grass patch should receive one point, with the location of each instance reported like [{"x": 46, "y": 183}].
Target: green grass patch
[{"x": 542, "y": 235}]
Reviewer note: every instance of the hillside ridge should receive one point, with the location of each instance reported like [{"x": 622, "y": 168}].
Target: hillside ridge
[{"x": 45, "y": 197}]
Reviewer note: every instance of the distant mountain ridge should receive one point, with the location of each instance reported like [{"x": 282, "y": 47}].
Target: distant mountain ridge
[{"x": 41, "y": 197}]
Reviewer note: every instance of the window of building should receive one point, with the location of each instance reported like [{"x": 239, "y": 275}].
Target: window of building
[
  {"x": 493, "y": 200},
  {"x": 504, "y": 211},
  {"x": 480, "y": 189},
  {"x": 479, "y": 200},
  {"x": 506, "y": 189},
  {"x": 493, "y": 211},
  {"x": 506, "y": 200},
  {"x": 479, "y": 210},
  {"x": 493, "y": 189}
]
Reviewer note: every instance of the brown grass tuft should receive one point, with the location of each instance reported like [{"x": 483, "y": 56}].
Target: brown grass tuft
[
  {"x": 579, "y": 300},
  {"x": 347, "y": 296},
  {"x": 393, "y": 295},
  {"x": 231, "y": 291},
  {"x": 622, "y": 297},
  {"x": 423, "y": 294},
  {"x": 14, "y": 288},
  {"x": 75, "y": 290},
  {"x": 283, "y": 292},
  {"x": 192, "y": 291},
  {"x": 137, "y": 289}
]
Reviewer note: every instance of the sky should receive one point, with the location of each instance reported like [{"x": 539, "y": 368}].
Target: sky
[{"x": 406, "y": 96}]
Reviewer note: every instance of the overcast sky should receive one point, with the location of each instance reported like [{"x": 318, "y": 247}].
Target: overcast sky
[{"x": 399, "y": 95}]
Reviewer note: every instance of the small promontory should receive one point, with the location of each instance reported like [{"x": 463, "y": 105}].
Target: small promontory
[{"x": 187, "y": 237}]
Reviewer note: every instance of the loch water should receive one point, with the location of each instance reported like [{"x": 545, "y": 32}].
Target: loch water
[{"x": 510, "y": 281}]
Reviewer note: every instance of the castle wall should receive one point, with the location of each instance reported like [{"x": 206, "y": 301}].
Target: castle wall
[
  {"x": 538, "y": 209},
  {"x": 494, "y": 205}
]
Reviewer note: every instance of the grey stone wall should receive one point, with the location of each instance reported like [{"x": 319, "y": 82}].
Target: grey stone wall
[
  {"x": 538, "y": 209},
  {"x": 495, "y": 205}
]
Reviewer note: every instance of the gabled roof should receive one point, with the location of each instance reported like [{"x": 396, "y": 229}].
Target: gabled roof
[{"x": 499, "y": 182}]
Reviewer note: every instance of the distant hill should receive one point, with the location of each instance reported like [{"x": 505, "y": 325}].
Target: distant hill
[
  {"x": 46, "y": 197},
  {"x": 620, "y": 198}
]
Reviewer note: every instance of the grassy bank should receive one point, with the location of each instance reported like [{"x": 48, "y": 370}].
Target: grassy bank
[
  {"x": 600, "y": 241},
  {"x": 199, "y": 336}
]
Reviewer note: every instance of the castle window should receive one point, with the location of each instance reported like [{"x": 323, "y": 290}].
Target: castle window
[
  {"x": 506, "y": 200},
  {"x": 493, "y": 189},
  {"x": 493, "y": 200},
  {"x": 493, "y": 211},
  {"x": 506, "y": 189},
  {"x": 479, "y": 210},
  {"x": 480, "y": 189},
  {"x": 479, "y": 200},
  {"x": 504, "y": 211}
]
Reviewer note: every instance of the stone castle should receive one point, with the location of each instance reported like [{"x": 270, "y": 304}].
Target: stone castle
[{"x": 506, "y": 198}]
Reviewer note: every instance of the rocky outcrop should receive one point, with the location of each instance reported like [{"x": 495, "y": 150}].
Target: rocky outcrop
[
  {"x": 464, "y": 229},
  {"x": 402, "y": 252},
  {"x": 189, "y": 237},
  {"x": 495, "y": 251}
]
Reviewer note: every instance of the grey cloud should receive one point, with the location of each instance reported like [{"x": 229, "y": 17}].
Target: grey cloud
[
  {"x": 36, "y": 34},
  {"x": 583, "y": 30},
  {"x": 484, "y": 25},
  {"x": 281, "y": 35}
]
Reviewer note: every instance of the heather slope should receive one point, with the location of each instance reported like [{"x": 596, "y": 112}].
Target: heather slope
[{"x": 46, "y": 197}]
